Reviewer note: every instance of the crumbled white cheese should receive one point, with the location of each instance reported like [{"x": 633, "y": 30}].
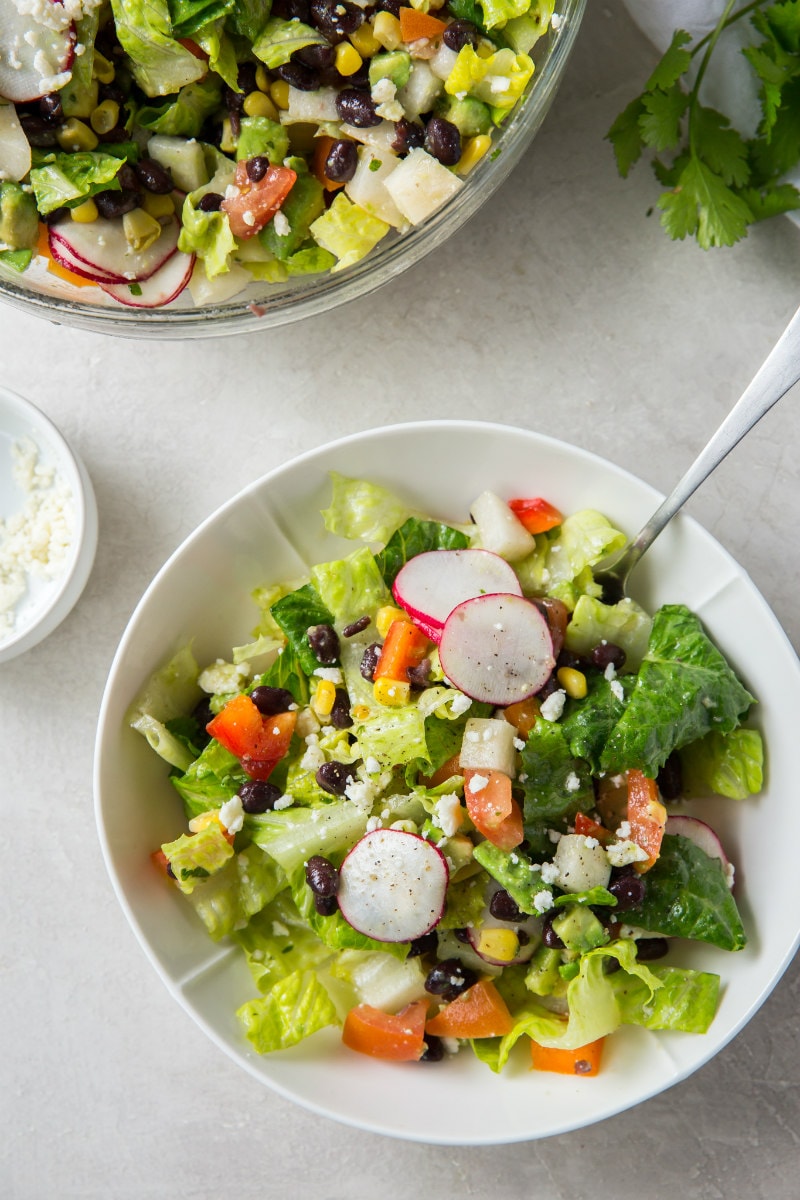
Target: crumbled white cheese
[
  {"x": 552, "y": 708},
  {"x": 67, "y": 11},
  {"x": 314, "y": 756},
  {"x": 478, "y": 782},
  {"x": 361, "y": 793},
  {"x": 623, "y": 831},
  {"x": 519, "y": 744},
  {"x": 554, "y": 836},
  {"x": 374, "y": 823},
  {"x": 278, "y": 930},
  {"x": 459, "y": 704},
  {"x": 281, "y": 224},
  {"x": 222, "y": 677},
  {"x": 447, "y": 814},
  {"x": 371, "y": 765},
  {"x": 332, "y": 674},
  {"x": 285, "y": 801},
  {"x": 590, "y": 843},
  {"x": 550, "y": 872},
  {"x": 617, "y": 689},
  {"x": 610, "y": 672},
  {"x": 543, "y": 901},
  {"x": 231, "y": 814},
  {"x": 34, "y": 542},
  {"x": 572, "y": 783},
  {"x": 620, "y": 854}
]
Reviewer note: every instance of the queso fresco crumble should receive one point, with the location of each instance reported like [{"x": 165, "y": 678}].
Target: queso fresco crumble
[{"x": 35, "y": 540}]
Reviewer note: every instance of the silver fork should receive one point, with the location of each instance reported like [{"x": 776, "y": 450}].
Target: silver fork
[{"x": 777, "y": 374}]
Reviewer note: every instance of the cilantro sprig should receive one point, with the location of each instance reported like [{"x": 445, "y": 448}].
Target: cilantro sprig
[{"x": 716, "y": 181}]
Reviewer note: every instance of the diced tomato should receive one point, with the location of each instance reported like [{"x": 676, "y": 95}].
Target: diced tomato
[
  {"x": 536, "y": 514},
  {"x": 259, "y": 742},
  {"x": 585, "y": 1060},
  {"x": 404, "y": 646},
  {"x": 415, "y": 25},
  {"x": 479, "y": 1012},
  {"x": 588, "y": 828},
  {"x": 322, "y": 148},
  {"x": 446, "y": 771},
  {"x": 256, "y": 203},
  {"x": 399, "y": 1036},
  {"x": 647, "y": 817},
  {"x": 492, "y": 809},
  {"x": 522, "y": 715}
]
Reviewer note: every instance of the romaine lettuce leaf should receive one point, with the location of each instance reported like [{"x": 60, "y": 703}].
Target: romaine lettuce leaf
[
  {"x": 249, "y": 17},
  {"x": 60, "y": 179},
  {"x": 560, "y": 566},
  {"x": 231, "y": 896},
  {"x": 206, "y": 234},
  {"x": 221, "y": 52},
  {"x": 294, "y": 1008},
  {"x": 292, "y": 836},
  {"x": 210, "y": 780},
  {"x": 417, "y": 537},
  {"x": 587, "y": 723},
  {"x": 347, "y": 231},
  {"x": 555, "y": 784},
  {"x": 160, "y": 64},
  {"x": 351, "y": 587},
  {"x": 281, "y": 39},
  {"x": 298, "y": 612},
  {"x": 687, "y": 895},
  {"x": 277, "y": 942},
  {"x": 497, "y": 12},
  {"x": 190, "y": 15},
  {"x": 334, "y": 930},
  {"x": 169, "y": 693},
  {"x": 394, "y": 736},
  {"x": 195, "y": 856},
  {"x": 363, "y": 511},
  {"x": 625, "y": 624},
  {"x": 729, "y": 764},
  {"x": 287, "y": 672},
  {"x": 686, "y": 1001},
  {"x": 684, "y": 689},
  {"x": 183, "y": 115}
]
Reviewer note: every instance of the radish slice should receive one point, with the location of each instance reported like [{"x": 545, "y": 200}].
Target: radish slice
[
  {"x": 15, "y": 149},
  {"x": 392, "y": 885},
  {"x": 102, "y": 245},
  {"x": 497, "y": 649},
  {"x": 166, "y": 285},
  {"x": 64, "y": 256},
  {"x": 33, "y": 54},
  {"x": 430, "y": 585},
  {"x": 703, "y": 837}
]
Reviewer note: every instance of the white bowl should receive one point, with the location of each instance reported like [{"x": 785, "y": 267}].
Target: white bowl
[
  {"x": 273, "y": 531},
  {"x": 48, "y": 599}
]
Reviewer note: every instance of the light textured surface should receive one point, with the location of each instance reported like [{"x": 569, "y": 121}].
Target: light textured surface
[{"x": 561, "y": 307}]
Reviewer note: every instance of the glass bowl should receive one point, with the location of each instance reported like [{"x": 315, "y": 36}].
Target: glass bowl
[{"x": 264, "y": 305}]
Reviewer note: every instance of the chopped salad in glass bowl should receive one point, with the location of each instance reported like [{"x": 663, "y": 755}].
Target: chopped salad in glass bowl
[
  {"x": 176, "y": 154},
  {"x": 436, "y": 801}
]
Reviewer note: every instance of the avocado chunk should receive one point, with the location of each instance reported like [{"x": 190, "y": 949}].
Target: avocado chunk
[
  {"x": 579, "y": 929},
  {"x": 183, "y": 157},
  {"x": 542, "y": 977},
  {"x": 19, "y": 219},
  {"x": 470, "y": 116},
  {"x": 302, "y": 206},
  {"x": 259, "y": 136},
  {"x": 394, "y": 65}
]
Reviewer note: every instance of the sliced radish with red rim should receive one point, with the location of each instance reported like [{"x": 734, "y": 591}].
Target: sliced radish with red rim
[
  {"x": 161, "y": 288},
  {"x": 101, "y": 247},
  {"x": 31, "y": 53},
  {"x": 703, "y": 837},
  {"x": 432, "y": 584},
  {"x": 392, "y": 886},
  {"x": 497, "y": 649}
]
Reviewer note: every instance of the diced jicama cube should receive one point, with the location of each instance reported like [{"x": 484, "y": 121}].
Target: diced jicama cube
[
  {"x": 310, "y": 107},
  {"x": 367, "y": 188},
  {"x": 420, "y": 185},
  {"x": 422, "y": 90},
  {"x": 488, "y": 745},
  {"x": 499, "y": 529}
]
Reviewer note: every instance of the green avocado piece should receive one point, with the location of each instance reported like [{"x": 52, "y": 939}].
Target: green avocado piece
[
  {"x": 579, "y": 929},
  {"x": 394, "y": 65},
  {"x": 469, "y": 115},
  {"x": 302, "y": 206},
  {"x": 19, "y": 218}
]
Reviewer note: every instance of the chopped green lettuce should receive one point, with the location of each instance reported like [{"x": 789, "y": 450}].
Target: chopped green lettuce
[
  {"x": 161, "y": 65},
  {"x": 211, "y": 779},
  {"x": 625, "y": 624},
  {"x": 348, "y": 231},
  {"x": 417, "y": 537},
  {"x": 561, "y": 563},
  {"x": 206, "y": 234},
  {"x": 294, "y": 835},
  {"x": 195, "y": 856},
  {"x": 183, "y": 115},
  {"x": 169, "y": 693},
  {"x": 498, "y": 80},
  {"x": 555, "y": 783},
  {"x": 296, "y": 613},
  {"x": 221, "y": 52},
  {"x": 363, "y": 511},
  {"x": 241, "y": 888},
  {"x": 352, "y": 586},
  {"x": 729, "y": 764},
  {"x": 190, "y": 15},
  {"x": 281, "y": 39},
  {"x": 498, "y": 12},
  {"x": 293, "y": 1009},
  {"x": 588, "y": 723},
  {"x": 61, "y": 179},
  {"x": 393, "y": 736}
]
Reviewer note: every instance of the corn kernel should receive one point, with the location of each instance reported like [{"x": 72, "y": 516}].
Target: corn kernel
[
  {"x": 391, "y": 693},
  {"x": 386, "y": 615},
  {"x": 280, "y": 93},
  {"x": 472, "y": 152},
  {"x": 323, "y": 699},
  {"x": 84, "y": 213},
  {"x": 227, "y": 142},
  {"x": 257, "y": 104},
  {"x": 485, "y": 48},
  {"x": 102, "y": 70},
  {"x": 203, "y": 820},
  {"x": 262, "y": 78},
  {"x": 365, "y": 41},
  {"x": 75, "y": 135},
  {"x": 104, "y": 118},
  {"x": 386, "y": 30},
  {"x": 158, "y": 205},
  {"x": 573, "y": 682},
  {"x": 501, "y": 944},
  {"x": 348, "y": 60},
  {"x": 140, "y": 229},
  {"x": 360, "y": 712}
]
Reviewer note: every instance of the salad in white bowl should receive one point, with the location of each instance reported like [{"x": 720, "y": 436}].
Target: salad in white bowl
[{"x": 438, "y": 799}]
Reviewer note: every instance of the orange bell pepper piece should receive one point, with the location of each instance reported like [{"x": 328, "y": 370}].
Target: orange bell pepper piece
[
  {"x": 415, "y": 25},
  {"x": 583, "y": 1061},
  {"x": 404, "y": 646},
  {"x": 400, "y": 1037},
  {"x": 479, "y": 1012}
]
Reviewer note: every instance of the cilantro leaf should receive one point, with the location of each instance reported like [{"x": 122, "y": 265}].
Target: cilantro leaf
[
  {"x": 660, "y": 124},
  {"x": 720, "y": 147},
  {"x": 626, "y": 136},
  {"x": 674, "y": 63},
  {"x": 704, "y": 206}
]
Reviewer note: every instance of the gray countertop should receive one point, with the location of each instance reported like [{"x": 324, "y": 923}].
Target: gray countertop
[{"x": 561, "y": 307}]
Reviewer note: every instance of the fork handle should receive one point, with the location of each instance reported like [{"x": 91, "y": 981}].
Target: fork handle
[{"x": 778, "y": 373}]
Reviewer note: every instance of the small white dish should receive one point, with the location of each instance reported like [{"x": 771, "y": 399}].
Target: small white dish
[
  {"x": 273, "y": 531},
  {"x": 47, "y": 599}
]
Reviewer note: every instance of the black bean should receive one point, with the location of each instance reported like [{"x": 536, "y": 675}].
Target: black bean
[
  {"x": 127, "y": 178},
  {"x": 340, "y": 166},
  {"x": 462, "y": 935},
  {"x": 320, "y": 58},
  {"x": 670, "y": 778},
  {"x": 369, "y": 661},
  {"x": 153, "y": 176},
  {"x": 209, "y": 202},
  {"x": 326, "y": 906},
  {"x": 115, "y": 204},
  {"x": 607, "y": 654},
  {"x": 52, "y": 218},
  {"x": 246, "y": 77},
  {"x": 257, "y": 168},
  {"x": 340, "y": 715},
  {"x": 566, "y": 658},
  {"x": 523, "y": 937},
  {"x": 443, "y": 141},
  {"x": 648, "y": 949},
  {"x": 115, "y": 135},
  {"x": 50, "y": 107},
  {"x": 112, "y": 91},
  {"x": 549, "y": 936},
  {"x": 363, "y": 622},
  {"x": 333, "y": 777},
  {"x": 297, "y": 75},
  {"x": 258, "y": 796},
  {"x": 460, "y": 33},
  {"x": 357, "y": 108},
  {"x": 359, "y": 79},
  {"x": 390, "y": 6},
  {"x": 504, "y": 908},
  {"x": 38, "y": 131},
  {"x": 449, "y": 979},
  {"x": 337, "y": 19},
  {"x": 271, "y": 700},
  {"x": 408, "y": 136},
  {"x": 292, "y": 10},
  {"x": 324, "y": 642},
  {"x": 322, "y": 876},
  {"x": 202, "y": 712},
  {"x": 419, "y": 675},
  {"x": 557, "y": 615},
  {"x": 170, "y": 871},
  {"x": 549, "y": 686},
  {"x": 423, "y": 945},
  {"x": 434, "y": 1049},
  {"x": 628, "y": 890}
]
